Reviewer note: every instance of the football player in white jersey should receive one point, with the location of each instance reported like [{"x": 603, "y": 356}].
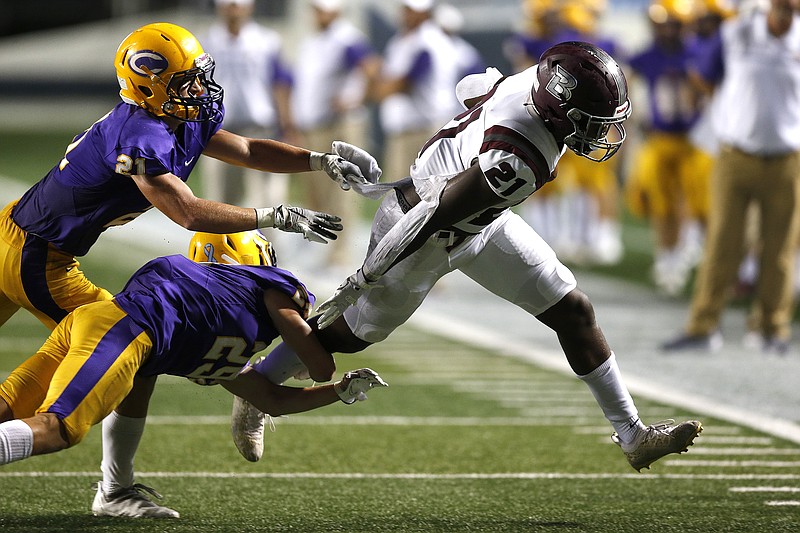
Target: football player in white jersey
[{"x": 453, "y": 213}]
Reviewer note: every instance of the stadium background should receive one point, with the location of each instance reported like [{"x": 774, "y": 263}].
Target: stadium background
[{"x": 56, "y": 78}]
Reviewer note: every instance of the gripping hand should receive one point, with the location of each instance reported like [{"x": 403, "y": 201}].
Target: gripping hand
[
  {"x": 361, "y": 158},
  {"x": 345, "y": 296},
  {"x": 315, "y": 226},
  {"x": 337, "y": 168},
  {"x": 356, "y": 383}
]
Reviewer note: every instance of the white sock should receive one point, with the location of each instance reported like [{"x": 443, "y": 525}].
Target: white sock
[
  {"x": 606, "y": 385},
  {"x": 16, "y": 441},
  {"x": 281, "y": 364},
  {"x": 121, "y": 436}
]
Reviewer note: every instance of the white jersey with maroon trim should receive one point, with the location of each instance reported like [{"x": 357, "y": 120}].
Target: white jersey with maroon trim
[{"x": 506, "y": 137}]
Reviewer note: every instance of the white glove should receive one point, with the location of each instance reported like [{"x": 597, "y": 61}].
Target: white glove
[
  {"x": 315, "y": 226},
  {"x": 361, "y": 158},
  {"x": 337, "y": 168},
  {"x": 345, "y": 296},
  {"x": 356, "y": 383}
]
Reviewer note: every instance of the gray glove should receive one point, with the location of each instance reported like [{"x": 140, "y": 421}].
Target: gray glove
[
  {"x": 337, "y": 168},
  {"x": 345, "y": 296},
  {"x": 315, "y": 226},
  {"x": 356, "y": 383},
  {"x": 361, "y": 158}
]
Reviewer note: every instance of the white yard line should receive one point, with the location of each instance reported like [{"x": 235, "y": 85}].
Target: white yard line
[
  {"x": 419, "y": 475},
  {"x": 764, "y": 489}
]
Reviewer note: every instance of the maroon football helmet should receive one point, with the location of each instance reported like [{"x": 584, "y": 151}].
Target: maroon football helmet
[{"x": 581, "y": 93}]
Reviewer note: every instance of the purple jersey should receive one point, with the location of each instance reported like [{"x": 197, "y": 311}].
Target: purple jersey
[
  {"x": 673, "y": 106},
  {"x": 91, "y": 188},
  {"x": 205, "y": 319}
]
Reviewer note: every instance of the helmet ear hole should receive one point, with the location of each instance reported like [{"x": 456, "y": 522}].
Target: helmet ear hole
[{"x": 146, "y": 91}]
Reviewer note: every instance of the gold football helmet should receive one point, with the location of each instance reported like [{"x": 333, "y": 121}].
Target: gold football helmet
[
  {"x": 162, "y": 68},
  {"x": 243, "y": 248}
]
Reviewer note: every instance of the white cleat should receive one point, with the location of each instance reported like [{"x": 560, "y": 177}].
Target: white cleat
[
  {"x": 659, "y": 440},
  {"x": 247, "y": 428},
  {"x": 130, "y": 502}
]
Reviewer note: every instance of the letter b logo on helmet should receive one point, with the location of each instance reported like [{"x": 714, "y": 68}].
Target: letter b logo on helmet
[{"x": 561, "y": 84}]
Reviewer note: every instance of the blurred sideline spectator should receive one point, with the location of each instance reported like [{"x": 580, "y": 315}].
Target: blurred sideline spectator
[
  {"x": 668, "y": 181},
  {"x": 257, "y": 86},
  {"x": 334, "y": 70},
  {"x": 758, "y": 127},
  {"x": 416, "y": 88},
  {"x": 467, "y": 58}
]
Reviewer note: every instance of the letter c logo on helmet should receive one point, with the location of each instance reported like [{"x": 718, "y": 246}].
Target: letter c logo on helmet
[
  {"x": 561, "y": 84},
  {"x": 152, "y": 61}
]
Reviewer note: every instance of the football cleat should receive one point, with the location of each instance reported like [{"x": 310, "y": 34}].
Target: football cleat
[
  {"x": 658, "y": 440},
  {"x": 130, "y": 502},
  {"x": 247, "y": 429}
]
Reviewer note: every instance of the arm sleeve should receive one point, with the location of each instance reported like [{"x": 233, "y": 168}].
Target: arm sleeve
[{"x": 397, "y": 239}]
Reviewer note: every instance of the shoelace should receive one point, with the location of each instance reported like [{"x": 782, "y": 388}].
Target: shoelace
[
  {"x": 136, "y": 488},
  {"x": 663, "y": 424}
]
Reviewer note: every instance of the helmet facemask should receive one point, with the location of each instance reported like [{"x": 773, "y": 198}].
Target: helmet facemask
[
  {"x": 191, "y": 94},
  {"x": 596, "y": 134}
]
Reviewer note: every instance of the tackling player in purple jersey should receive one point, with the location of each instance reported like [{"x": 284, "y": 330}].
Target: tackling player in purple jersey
[
  {"x": 175, "y": 316},
  {"x": 136, "y": 157}
]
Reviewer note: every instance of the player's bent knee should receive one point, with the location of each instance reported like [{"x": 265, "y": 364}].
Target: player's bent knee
[
  {"x": 573, "y": 311},
  {"x": 49, "y": 434}
]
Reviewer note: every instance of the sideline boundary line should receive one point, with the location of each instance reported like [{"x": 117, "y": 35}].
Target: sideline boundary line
[{"x": 477, "y": 335}]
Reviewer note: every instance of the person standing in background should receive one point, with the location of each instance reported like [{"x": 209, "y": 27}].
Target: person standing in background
[
  {"x": 416, "y": 89},
  {"x": 758, "y": 127},
  {"x": 468, "y": 59},
  {"x": 335, "y": 68},
  {"x": 257, "y": 85},
  {"x": 668, "y": 182}
]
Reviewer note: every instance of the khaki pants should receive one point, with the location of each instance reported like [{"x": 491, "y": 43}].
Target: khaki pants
[
  {"x": 772, "y": 185},
  {"x": 321, "y": 193},
  {"x": 401, "y": 152}
]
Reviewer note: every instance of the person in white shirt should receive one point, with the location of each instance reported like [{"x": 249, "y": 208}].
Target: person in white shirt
[
  {"x": 467, "y": 57},
  {"x": 257, "y": 85},
  {"x": 416, "y": 89},
  {"x": 757, "y": 123},
  {"x": 333, "y": 71}
]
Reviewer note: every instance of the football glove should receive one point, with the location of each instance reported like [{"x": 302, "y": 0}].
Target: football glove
[
  {"x": 367, "y": 164},
  {"x": 356, "y": 383},
  {"x": 315, "y": 226},
  {"x": 337, "y": 168},
  {"x": 346, "y": 295}
]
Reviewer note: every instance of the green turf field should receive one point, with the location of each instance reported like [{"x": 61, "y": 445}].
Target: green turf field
[{"x": 463, "y": 440}]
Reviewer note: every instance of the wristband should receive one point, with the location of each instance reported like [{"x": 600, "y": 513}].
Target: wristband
[
  {"x": 342, "y": 393},
  {"x": 265, "y": 217},
  {"x": 315, "y": 160}
]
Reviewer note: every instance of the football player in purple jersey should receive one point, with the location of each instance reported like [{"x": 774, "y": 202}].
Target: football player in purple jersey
[
  {"x": 138, "y": 156},
  {"x": 453, "y": 213},
  {"x": 174, "y": 316}
]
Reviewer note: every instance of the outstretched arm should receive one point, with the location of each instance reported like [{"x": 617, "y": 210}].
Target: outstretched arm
[
  {"x": 176, "y": 200},
  {"x": 277, "y": 400},
  {"x": 269, "y": 155}
]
